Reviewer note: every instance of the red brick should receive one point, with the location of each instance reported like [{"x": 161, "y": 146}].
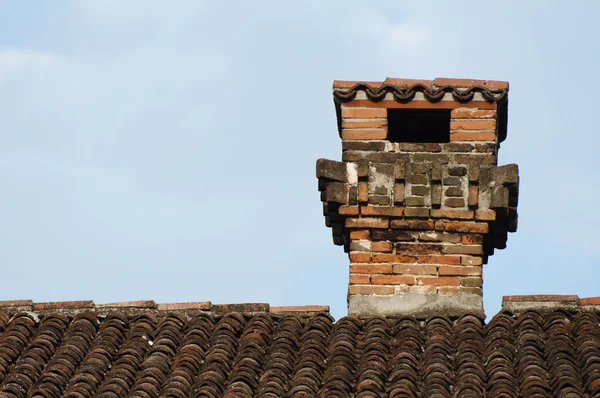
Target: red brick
[
  {"x": 453, "y": 214},
  {"x": 370, "y": 269},
  {"x": 470, "y": 113},
  {"x": 349, "y": 210},
  {"x": 373, "y": 289},
  {"x": 590, "y": 301},
  {"x": 474, "y": 136},
  {"x": 360, "y": 134},
  {"x": 381, "y": 246},
  {"x": 357, "y": 279},
  {"x": 485, "y": 215},
  {"x": 454, "y": 202},
  {"x": 367, "y": 223},
  {"x": 450, "y": 260},
  {"x": 392, "y": 258},
  {"x": 476, "y": 227},
  {"x": 366, "y": 113},
  {"x": 364, "y": 124},
  {"x": 475, "y": 124},
  {"x": 415, "y": 269},
  {"x": 445, "y": 270},
  {"x": 412, "y": 224},
  {"x": 435, "y": 281},
  {"x": 470, "y": 260},
  {"x": 358, "y": 235},
  {"x": 358, "y": 257},
  {"x": 392, "y": 280},
  {"x": 16, "y": 303},
  {"x": 390, "y": 211},
  {"x": 363, "y": 192}
]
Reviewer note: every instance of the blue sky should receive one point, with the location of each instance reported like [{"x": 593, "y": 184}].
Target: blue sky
[{"x": 166, "y": 151}]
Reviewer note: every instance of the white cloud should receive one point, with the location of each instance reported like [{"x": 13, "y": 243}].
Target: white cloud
[{"x": 13, "y": 60}]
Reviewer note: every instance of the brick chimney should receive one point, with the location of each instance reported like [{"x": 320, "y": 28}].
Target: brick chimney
[{"x": 418, "y": 201}]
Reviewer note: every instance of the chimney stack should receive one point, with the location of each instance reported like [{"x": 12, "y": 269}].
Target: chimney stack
[{"x": 418, "y": 201}]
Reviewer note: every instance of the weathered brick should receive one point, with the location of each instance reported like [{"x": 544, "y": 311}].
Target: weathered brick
[
  {"x": 337, "y": 192},
  {"x": 393, "y": 235},
  {"x": 393, "y": 258},
  {"x": 457, "y": 214},
  {"x": 473, "y": 136},
  {"x": 454, "y": 202},
  {"x": 475, "y": 158},
  {"x": 470, "y": 124},
  {"x": 364, "y": 124},
  {"x": 457, "y": 171},
  {"x": 473, "y": 195},
  {"x": 454, "y": 191},
  {"x": 447, "y": 270},
  {"x": 460, "y": 249},
  {"x": 363, "y": 168},
  {"x": 382, "y": 200},
  {"x": 420, "y": 168},
  {"x": 436, "y": 194},
  {"x": 448, "y": 260},
  {"x": 390, "y": 211},
  {"x": 399, "y": 169},
  {"x": 412, "y": 224},
  {"x": 360, "y": 257},
  {"x": 360, "y": 279},
  {"x": 372, "y": 289},
  {"x": 486, "y": 148},
  {"x": 416, "y": 212},
  {"x": 453, "y": 291},
  {"x": 457, "y": 226},
  {"x": 363, "y": 145},
  {"x": 417, "y": 248},
  {"x": 356, "y": 235},
  {"x": 420, "y": 179},
  {"x": 414, "y": 201},
  {"x": 452, "y": 181},
  {"x": 414, "y": 269},
  {"x": 472, "y": 113},
  {"x": 370, "y": 269},
  {"x": 349, "y": 210},
  {"x": 472, "y": 239},
  {"x": 471, "y": 260},
  {"x": 332, "y": 170},
  {"x": 439, "y": 237},
  {"x": 364, "y": 134},
  {"x": 398, "y": 192},
  {"x": 430, "y": 157},
  {"x": 381, "y": 246},
  {"x": 458, "y": 147},
  {"x": 363, "y": 192},
  {"x": 420, "y": 190},
  {"x": 354, "y": 156},
  {"x": 485, "y": 215},
  {"x": 393, "y": 280},
  {"x": 386, "y": 157},
  {"x": 471, "y": 282},
  {"x": 364, "y": 113},
  {"x": 360, "y": 245},
  {"x": 438, "y": 281},
  {"x": 367, "y": 223},
  {"x": 419, "y": 147}
]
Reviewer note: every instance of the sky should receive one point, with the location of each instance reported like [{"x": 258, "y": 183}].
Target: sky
[{"x": 166, "y": 150}]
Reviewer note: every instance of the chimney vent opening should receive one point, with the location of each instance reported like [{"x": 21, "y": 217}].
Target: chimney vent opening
[{"x": 418, "y": 125}]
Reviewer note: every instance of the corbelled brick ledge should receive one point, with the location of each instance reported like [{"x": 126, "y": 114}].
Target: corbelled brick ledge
[{"x": 540, "y": 302}]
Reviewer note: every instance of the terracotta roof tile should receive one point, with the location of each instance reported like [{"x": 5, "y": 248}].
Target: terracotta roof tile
[{"x": 153, "y": 353}]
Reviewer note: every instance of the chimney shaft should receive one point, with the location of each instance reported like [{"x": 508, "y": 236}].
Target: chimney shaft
[{"x": 418, "y": 201}]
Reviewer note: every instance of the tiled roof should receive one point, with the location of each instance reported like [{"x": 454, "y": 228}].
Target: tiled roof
[{"x": 143, "y": 350}]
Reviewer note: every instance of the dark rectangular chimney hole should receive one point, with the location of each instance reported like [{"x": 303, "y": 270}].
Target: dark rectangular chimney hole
[{"x": 418, "y": 125}]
